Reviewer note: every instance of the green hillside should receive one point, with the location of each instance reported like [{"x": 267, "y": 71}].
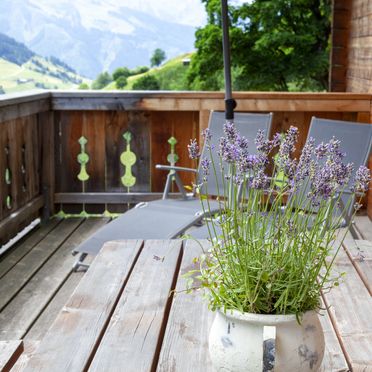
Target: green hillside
[
  {"x": 171, "y": 75},
  {"x": 21, "y": 69}
]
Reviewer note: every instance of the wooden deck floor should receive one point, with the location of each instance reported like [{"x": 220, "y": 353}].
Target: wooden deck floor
[{"x": 36, "y": 277}]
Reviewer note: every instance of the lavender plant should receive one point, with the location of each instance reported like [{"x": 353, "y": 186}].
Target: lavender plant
[{"x": 267, "y": 257}]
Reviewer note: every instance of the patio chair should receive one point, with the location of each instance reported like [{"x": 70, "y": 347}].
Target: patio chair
[
  {"x": 356, "y": 143},
  {"x": 169, "y": 218}
]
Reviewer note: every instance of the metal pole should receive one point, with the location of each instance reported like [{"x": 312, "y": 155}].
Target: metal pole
[{"x": 230, "y": 103}]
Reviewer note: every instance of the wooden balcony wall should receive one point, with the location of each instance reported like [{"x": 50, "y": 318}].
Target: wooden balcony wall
[
  {"x": 40, "y": 133},
  {"x": 351, "y": 54}
]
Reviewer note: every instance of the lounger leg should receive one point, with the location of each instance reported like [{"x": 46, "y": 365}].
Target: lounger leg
[{"x": 79, "y": 263}]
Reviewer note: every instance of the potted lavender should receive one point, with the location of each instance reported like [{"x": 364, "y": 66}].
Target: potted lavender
[{"x": 269, "y": 260}]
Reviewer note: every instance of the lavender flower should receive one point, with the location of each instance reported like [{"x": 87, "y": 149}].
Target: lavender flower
[
  {"x": 230, "y": 131},
  {"x": 287, "y": 146},
  {"x": 229, "y": 152},
  {"x": 305, "y": 164},
  {"x": 205, "y": 166},
  {"x": 262, "y": 144},
  {"x": 362, "y": 179},
  {"x": 260, "y": 180},
  {"x": 206, "y": 133},
  {"x": 194, "y": 151}
]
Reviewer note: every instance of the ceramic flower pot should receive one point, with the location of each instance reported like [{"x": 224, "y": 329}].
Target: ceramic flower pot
[{"x": 255, "y": 343}]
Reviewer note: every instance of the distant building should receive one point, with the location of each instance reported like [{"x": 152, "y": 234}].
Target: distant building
[{"x": 186, "y": 61}]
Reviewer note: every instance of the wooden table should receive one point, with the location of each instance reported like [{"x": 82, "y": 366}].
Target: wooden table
[{"x": 122, "y": 318}]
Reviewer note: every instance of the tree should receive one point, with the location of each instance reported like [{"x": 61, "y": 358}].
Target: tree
[
  {"x": 157, "y": 57},
  {"x": 83, "y": 86},
  {"x": 121, "y": 82},
  {"x": 275, "y": 45},
  {"x": 121, "y": 71},
  {"x": 147, "y": 82},
  {"x": 102, "y": 80}
]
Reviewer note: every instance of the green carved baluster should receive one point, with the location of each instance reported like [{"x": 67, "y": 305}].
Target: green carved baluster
[
  {"x": 128, "y": 159},
  {"x": 83, "y": 176},
  {"x": 8, "y": 179},
  {"x": 83, "y": 159},
  {"x": 172, "y": 158}
]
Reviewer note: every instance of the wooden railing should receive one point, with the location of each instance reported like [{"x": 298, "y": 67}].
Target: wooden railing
[{"x": 97, "y": 151}]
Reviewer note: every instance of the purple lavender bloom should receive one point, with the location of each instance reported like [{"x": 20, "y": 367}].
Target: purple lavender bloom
[
  {"x": 248, "y": 163},
  {"x": 362, "y": 179},
  {"x": 228, "y": 151},
  {"x": 262, "y": 144},
  {"x": 305, "y": 165},
  {"x": 242, "y": 143},
  {"x": 205, "y": 166},
  {"x": 206, "y": 133},
  {"x": 194, "y": 151},
  {"x": 287, "y": 146},
  {"x": 321, "y": 150},
  {"x": 260, "y": 180},
  {"x": 230, "y": 131}
]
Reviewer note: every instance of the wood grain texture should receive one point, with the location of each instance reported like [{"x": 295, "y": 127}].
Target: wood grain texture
[
  {"x": 74, "y": 335},
  {"x": 185, "y": 345},
  {"x": 28, "y": 348},
  {"x": 347, "y": 306},
  {"x": 19, "y": 315},
  {"x": 360, "y": 254},
  {"x": 25, "y": 245},
  {"x": 334, "y": 359},
  {"x": 133, "y": 336},
  {"x": 15, "y": 279},
  {"x": 9, "y": 353}
]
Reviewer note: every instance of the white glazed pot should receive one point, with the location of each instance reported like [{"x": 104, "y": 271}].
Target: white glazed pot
[{"x": 255, "y": 343}]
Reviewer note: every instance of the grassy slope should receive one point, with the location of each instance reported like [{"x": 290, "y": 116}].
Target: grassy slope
[
  {"x": 171, "y": 75},
  {"x": 10, "y": 73}
]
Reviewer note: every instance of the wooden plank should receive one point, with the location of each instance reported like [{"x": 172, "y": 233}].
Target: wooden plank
[
  {"x": 29, "y": 347},
  {"x": 360, "y": 254},
  {"x": 15, "y": 279},
  {"x": 109, "y": 197},
  {"x": 25, "y": 245},
  {"x": 347, "y": 306},
  {"x": 12, "y": 224},
  {"x": 9, "y": 353},
  {"x": 76, "y": 332},
  {"x": 161, "y": 131},
  {"x": 19, "y": 110},
  {"x": 364, "y": 226},
  {"x": 185, "y": 344},
  {"x": 46, "y": 122},
  {"x": 116, "y": 125},
  {"x": 44, "y": 321},
  {"x": 334, "y": 359},
  {"x": 134, "y": 333},
  {"x": 19, "y": 315}
]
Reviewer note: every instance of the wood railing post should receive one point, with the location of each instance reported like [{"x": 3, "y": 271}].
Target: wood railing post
[{"x": 46, "y": 125}]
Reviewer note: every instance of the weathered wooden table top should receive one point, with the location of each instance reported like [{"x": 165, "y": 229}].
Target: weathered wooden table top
[{"x": 121, "y": 316}]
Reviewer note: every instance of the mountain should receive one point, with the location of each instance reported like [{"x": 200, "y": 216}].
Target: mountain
[
  {"x": 95, "y": 35},
  {"x": 22, "y": 69}
]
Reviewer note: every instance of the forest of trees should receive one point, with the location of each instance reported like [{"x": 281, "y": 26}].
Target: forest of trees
[{"x": 276, "y": 45}]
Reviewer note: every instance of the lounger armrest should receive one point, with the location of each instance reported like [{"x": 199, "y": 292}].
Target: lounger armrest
[
  {"x": 175, "y": 168},
  {"x": 173, "y": 174}
]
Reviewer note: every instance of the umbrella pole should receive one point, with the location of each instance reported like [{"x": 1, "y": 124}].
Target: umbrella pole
[{"x": 230, "y": 103}]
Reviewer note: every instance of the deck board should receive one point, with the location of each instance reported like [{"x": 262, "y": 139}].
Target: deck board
[
  {"x": 82, "y": 319},
  {"x": 24, "y": 309},
  {"x": 23, "y": 271},
  {"x": 25, "y": 246},
  {"x": 9, "y": 353},
  {"x": 354, "y": 292}
]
